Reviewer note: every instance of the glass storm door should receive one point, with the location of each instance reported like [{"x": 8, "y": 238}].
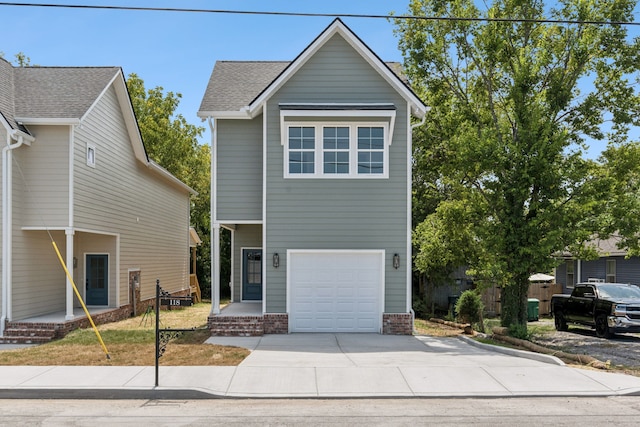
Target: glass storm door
[
  {"x": 252, "y": 274},
  {"x": 97, "y": 279}
]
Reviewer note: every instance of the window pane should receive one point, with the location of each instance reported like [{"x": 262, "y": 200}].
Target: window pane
[
  {"x": 371, "y": 138},
  {"x": 335, "y": 138},
  {"x": 336, "y": 162},
  {"x": 301, "y": 162},
  {"x": 370, "y": 163},
  {"x": 301, "y": 149}
]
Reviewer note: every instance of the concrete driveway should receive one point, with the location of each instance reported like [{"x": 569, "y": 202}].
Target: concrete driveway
[
  {"x": 330, "y": 365},
  {"x": 350, "y": 365}
]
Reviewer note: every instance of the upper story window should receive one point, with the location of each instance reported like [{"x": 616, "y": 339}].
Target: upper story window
[
  {"x": 611, "y": 270},
  {"x": 571, "y": 280},
  {"x": 91, "y": 155},
  {"x": 337, "y": 150},
  {"x": 302, "y": 149},
  {"x": 336, "y": 140}
]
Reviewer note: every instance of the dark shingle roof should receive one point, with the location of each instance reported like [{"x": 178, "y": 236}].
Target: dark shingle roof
[
  {"x": 6, "y": 93},
  {"x": 235, "y": 84},
  {"x": 59, "y": 92}
]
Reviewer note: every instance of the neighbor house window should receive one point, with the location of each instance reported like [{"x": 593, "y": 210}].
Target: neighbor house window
[
  {"x": 338, "y": 150},
  {"x": 611, "y": 271},
  {"x": 91, "y": 155},
  {"x": 571, "y": 281}
]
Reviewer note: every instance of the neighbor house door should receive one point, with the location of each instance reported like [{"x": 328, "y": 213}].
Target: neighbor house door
[
  {"x": 97, "y": 279},
  {"x": 252, "y": 274}
]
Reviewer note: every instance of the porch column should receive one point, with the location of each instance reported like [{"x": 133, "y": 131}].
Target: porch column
[
  {"x": 69, "y": 261},
  {"x": 215, "y": 269}
]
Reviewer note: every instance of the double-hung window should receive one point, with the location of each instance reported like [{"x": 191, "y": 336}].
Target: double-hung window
[
  {"x": 337, "y": 150},
  {"x": 302, "y": 150}
]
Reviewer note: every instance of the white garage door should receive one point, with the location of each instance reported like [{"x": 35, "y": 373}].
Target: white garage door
[{"x": 335, "y": 291}]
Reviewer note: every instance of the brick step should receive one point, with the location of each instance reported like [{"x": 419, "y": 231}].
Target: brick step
[
  {"x": 28, "y": 325},
  {"x": 12, "y": 332},
  {"x": 25, "y": 340}
]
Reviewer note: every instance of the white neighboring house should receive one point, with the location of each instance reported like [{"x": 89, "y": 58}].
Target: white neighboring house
[{"x": 75, "y": 170}]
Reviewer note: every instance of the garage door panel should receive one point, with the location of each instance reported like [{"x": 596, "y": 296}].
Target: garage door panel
[{"x": 335, "y": 291}]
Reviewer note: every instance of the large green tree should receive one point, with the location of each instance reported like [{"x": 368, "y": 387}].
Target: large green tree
[
  {"x": 173, "y": 143},
  {"x": 513, "y": 101}
]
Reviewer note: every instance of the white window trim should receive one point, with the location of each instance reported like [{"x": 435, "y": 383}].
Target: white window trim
[
  {"x": 571, "y": 285},
  {"x": 607, "y": 274},
  {"x": 319, "y": 150},
  {"x": 91, "y": 158}
]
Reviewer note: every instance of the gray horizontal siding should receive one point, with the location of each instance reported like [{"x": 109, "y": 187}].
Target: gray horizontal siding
[
  {"x": 337, "y": 213},
  {"x": 239, "y": 163}
]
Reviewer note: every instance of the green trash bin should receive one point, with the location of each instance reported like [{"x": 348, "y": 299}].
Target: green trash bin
[{"x": 533, "y": 308}]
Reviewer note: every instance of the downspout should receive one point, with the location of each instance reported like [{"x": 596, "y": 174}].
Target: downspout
[
  {"x": 410, "y": 216},
  {"x": 69, "y": 232},
  {"x": 7, "y": 221},
  {"x": 215, "y": 227}
]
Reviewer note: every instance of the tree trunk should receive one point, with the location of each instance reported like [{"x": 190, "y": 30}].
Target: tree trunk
[{"x": 514, "y": 304}]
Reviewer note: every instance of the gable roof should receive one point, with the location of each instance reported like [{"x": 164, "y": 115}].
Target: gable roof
[
  {"x": 45, "y": 93},
  {"x": 239, "y": 89},
  {"x": 65, "y": 96}
]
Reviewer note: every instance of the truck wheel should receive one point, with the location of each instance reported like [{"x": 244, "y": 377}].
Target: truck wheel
[
  {"x": 560, "y": 322},
  {"x": 602, "y": 328}
]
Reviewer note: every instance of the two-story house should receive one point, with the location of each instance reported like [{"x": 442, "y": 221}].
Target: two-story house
[
  {"x": 311, "y": 172},
  {"x": 75, "y": 172}
]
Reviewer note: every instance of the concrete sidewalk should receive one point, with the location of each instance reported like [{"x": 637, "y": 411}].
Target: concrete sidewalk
[{"x": 330, "y": 365}]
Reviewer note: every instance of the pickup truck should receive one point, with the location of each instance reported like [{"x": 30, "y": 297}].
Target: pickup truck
[{"x": 610, "y": 308}]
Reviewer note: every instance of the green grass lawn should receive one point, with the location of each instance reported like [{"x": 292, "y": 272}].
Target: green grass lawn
[{"x": 131, "y": 342}]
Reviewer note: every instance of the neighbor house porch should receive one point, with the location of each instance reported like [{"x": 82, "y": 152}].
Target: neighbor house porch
[{"x": 45, "y": 328}]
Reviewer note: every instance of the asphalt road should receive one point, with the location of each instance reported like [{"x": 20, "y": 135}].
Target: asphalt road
[{"x": 618, "y": 411}]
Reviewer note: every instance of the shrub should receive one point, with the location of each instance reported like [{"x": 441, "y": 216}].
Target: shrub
[{"x": 469, "y": 307}]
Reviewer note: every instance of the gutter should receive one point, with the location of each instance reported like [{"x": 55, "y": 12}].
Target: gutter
[
  {"x": 7, "y": 221},
  {"x": 409, "y": 217}
]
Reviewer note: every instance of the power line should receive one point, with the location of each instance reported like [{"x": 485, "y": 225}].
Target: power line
[{"x": 310, "y": 14}]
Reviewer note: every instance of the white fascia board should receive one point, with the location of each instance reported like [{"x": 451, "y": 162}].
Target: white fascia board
[
  {"x": 242, "y": 114},
  {"x": 338, "y": 27},
  {"x": 169, "y": 177},
  {"x": 129, "y": 115},
  {"x": 47, "y": 121},
  {"x": 295, "y": 65}
]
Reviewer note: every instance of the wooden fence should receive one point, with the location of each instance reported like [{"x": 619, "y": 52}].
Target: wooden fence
[{"x": 540, "y": 291}]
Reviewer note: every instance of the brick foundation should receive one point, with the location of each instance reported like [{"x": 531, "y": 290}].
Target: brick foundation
[
  {"x": 249, "y": 326},
  {"x": 397, "y": 324},
  {"x": 276, "y": 323}
]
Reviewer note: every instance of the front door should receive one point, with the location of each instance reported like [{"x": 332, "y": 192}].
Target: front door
[
  {"x": 252, "y": 274},
  {"x": 97, "y": 279}
]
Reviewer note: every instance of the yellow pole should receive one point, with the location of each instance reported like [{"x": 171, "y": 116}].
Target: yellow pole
[{"x": 75, "y": 289}]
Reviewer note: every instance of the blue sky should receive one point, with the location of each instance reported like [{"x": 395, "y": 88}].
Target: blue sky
[{"x": 177, "y": 50}]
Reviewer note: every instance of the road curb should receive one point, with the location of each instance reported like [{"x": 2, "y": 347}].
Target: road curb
[{"x": 545, "y": 358}]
